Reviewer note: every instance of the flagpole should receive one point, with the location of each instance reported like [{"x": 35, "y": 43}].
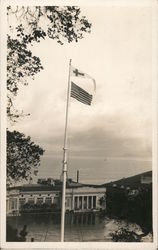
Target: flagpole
[{"x": 64, "y": 171}]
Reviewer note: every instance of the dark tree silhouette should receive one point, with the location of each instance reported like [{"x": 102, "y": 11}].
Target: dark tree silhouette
[
  {"x": 133, "y": 207},
  {"x": 22, "y": 156},
  {"x": 124, "y": 235}
]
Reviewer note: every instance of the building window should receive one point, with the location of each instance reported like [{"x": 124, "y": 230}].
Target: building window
[
  {"x": 48, "y": 200},
  {"x": 39, "y": 200},
  {"x": 85, "y": 202},
  {"x": 90, "y": 202},
  {"x": 13, "y": 204},
  {"x": 80, "y": 202},
  {"x": 94, "y": 201},
  {"x": 67, "y": 202},
  {"x": 31, "y": 200},
  {"x": 56, "y": 201},
  {"x": 21, "y": 202},
  {"x": 76, "y": 198}
]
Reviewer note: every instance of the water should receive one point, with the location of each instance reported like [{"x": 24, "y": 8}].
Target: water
[
  {"x": 79, "y": 227},
  {"x": 46, "y": 227}
]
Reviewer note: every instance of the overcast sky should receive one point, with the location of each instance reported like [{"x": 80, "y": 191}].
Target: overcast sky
[{"x": 117, "y": 54}]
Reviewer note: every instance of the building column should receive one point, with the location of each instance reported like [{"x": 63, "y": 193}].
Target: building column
[
  {"x": 35, "y": 199},
  {"x": 52, "y": 199},
  {"x": 96, "y": 202},
  {"x": 44, "y": 199}
]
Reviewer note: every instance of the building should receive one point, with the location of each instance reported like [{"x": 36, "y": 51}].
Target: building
[
  {"x": 12, "y": 202},
  {"x": 46, "y": 194},
  {"x": 146, "y": 178}
]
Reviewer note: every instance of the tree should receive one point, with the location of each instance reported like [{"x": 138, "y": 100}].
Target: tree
[
  {"x": 61, "y": 23},
  {"x": 136, "y": 207},
  {"x": 22, "y": 156},
  {"x": 20, "y": 65}
]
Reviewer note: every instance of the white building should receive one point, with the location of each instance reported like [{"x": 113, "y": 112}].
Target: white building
[{"x": 79, "y": 197}]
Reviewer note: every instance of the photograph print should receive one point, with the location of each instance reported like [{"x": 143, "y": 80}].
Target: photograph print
[{"x": 79, "y": 123}]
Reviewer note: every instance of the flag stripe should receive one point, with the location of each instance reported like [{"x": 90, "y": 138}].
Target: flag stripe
[
  {"x": 75, "y": 88},
  {"x": 81, "y": 99},
  {"x": 80, "y": 91},
  {"x": 80, "y": 94},
  {"x": 88, "y": 98}
]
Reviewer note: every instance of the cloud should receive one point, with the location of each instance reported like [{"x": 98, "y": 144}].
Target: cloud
[
  {"x": 118, "y": 124},
  {"x": 113, "y": 137}
]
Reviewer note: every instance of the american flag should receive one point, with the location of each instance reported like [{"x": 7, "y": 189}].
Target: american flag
[{"x": 80, "y": 94}]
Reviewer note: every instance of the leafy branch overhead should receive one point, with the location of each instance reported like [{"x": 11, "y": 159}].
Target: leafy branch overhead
[
  {"x": 21, "y": 64},
  {"x": 61, "y": 23}
]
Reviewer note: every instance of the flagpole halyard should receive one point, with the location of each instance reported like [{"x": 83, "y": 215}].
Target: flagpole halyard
[{"x": 64, "y": 171}]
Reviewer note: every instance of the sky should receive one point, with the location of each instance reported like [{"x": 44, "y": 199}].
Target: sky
[{"x": 118, "y": 125}]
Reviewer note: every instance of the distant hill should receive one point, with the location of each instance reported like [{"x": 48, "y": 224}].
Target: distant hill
[{"x": 132, "y": 181}]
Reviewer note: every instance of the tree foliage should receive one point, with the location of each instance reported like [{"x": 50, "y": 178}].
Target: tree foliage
[
  {"x": 124, "y": 235},
  {"x": 23, "y": 155},
  {"x": 133, "y": 207},
  {"x": 21, "y": 64},
  {"x": 61, "y": 23}
]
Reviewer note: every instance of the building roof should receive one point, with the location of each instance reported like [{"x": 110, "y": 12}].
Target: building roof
[
  {"x": 35, "y": 187},
  {"x": 39, "y": 187},
  {"x": 46, "y": 187}
]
